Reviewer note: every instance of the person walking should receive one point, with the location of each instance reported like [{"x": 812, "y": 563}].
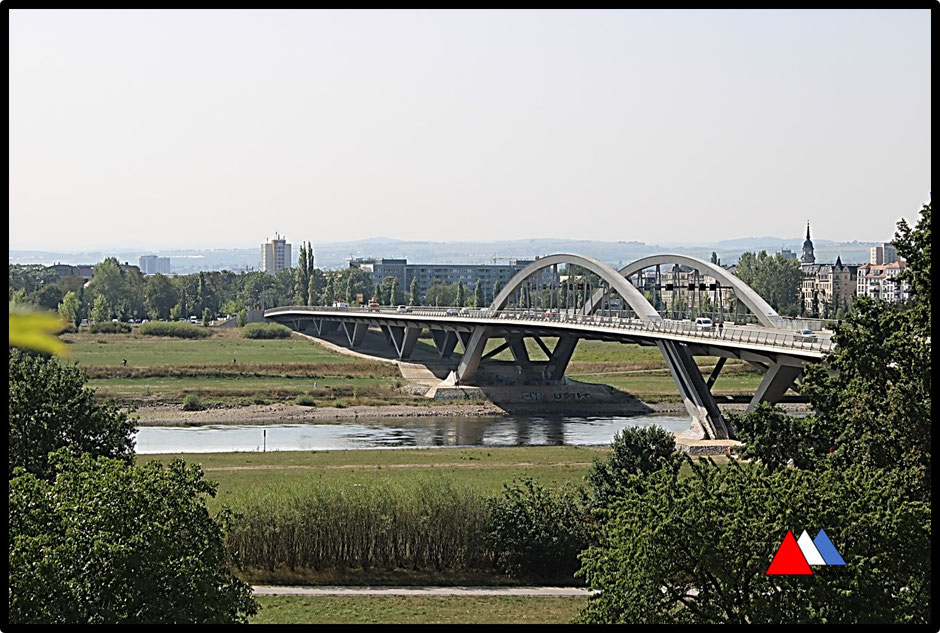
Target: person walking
[
  {"x": 125, "y": 362},
  {"x": 721, "y": 328}
]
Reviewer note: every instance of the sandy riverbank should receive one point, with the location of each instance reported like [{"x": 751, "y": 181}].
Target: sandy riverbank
[{"x": 173, "y": 415}]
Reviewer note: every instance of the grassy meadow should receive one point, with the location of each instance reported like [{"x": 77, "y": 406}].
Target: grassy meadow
[
  {"x": 417, "y": 609},
  {"x": 226, "y": 369}
]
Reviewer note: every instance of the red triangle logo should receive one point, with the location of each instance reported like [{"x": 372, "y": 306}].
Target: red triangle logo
[{"x": 789, "y": 559}]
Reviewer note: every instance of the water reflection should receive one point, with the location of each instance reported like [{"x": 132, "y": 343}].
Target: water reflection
[{"x": 398, "y": 433}]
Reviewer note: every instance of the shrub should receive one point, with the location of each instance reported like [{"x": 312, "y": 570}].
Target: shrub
[
  {"x": 109, "y": 327},
  {"x": 266, "y": 330},
  {"x": 192, "y": 402},
  {"x": 306, "y": 400},
  {"x": 178, "y": 329},
  {"x": 259, "y": 398},
  {"x": 537, "y": 532}
]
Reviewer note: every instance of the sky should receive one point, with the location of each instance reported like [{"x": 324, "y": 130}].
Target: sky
[{"x": 214, "y": 129}]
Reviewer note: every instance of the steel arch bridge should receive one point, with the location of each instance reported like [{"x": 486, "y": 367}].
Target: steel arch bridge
[{"x": 586, "y": 313}]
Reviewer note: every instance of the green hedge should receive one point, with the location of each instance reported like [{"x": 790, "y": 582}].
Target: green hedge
[
  {"x": 266, "y": 330},
  {"x": 110, "y": 328},
  {"x": 178, "y": 329}
]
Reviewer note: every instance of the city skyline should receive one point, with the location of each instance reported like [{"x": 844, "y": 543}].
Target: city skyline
[{"x": 654, "y": 126}]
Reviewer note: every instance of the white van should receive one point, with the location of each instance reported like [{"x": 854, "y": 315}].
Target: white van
[
  {"x": 340, "y": 304},
  {"x": 193, "y": 320}
]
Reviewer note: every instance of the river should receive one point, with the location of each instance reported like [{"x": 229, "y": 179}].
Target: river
[{"x": 515, "y": 430}]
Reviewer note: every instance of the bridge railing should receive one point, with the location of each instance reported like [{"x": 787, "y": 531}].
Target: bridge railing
[{"x": 753, "y": 335}]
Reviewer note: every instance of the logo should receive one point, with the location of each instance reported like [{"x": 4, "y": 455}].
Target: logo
[{"x": 794, "y": 557}]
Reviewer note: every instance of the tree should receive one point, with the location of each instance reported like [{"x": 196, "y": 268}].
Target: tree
[
  {"x": 302, "y": 277},
  {"x": 48, "y": 296},
  {"x": 634, "y": 451},
  {"x": 160, "y": 296},
  {"x": 394, "y": 292},
  {"x": 50, "y": 408},
  {"x": 206, "y": 316},
  {"x": 414, "y": 294},
  {"x": 242, "y": 317},
  {"x": 108, "y": 542},
  {"x": 108, "y": 281},
  {"x": 176, "y": 313},
  {"x": 479, "y": 300},
  {"x": 101, "y": 312},
  {"x": 714, "y": 258},
  {"x": 69, "y": 308},
  {"x": 695, "y": 548},
  {"x": 497, "y": 286},
  {"x": 458, "y": 301}
]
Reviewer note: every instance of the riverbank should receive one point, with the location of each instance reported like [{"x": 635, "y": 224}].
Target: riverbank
[{"x": 173, "y": 415}]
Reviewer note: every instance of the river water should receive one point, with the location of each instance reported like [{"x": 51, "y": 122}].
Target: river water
[{"x": 376, "y": 433}]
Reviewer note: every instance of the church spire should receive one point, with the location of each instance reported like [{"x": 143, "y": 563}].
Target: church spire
[{"x": 808, "y": 257}]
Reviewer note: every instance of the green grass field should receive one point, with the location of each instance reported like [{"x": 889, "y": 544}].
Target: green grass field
[
  {"x": 219, "y": 349},
  {"x": 417, "y": 609},
  {"x": 164, "y": 370},
  {"x": 486, "y": 469}
]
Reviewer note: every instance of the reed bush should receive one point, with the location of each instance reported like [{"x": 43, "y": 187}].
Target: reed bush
[
  {"x": 436, "y": 525},
  {"x": 176, "y": 329},
  {"x": 266, "y": 330}
]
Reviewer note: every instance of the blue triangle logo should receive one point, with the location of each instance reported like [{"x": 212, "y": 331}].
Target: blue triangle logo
[{"x": 827, "y": 550}]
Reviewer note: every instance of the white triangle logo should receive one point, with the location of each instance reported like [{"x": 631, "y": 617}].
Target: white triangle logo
[{"x": 810, "y": 553}]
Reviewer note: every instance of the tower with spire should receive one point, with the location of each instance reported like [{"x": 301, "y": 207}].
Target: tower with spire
[{"x": 808, "y": 258}]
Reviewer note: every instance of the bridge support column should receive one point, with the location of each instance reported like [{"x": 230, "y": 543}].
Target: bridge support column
[
  {"x": 775, "y": 383},
  {"x": 473, "y": 353},
  {"x": 715, "y": 372},
  {"x": 387, "y": 333},
  {"x": 445, "y": 342},
  {"x": 695, "y": 394},
  {"x": 355, "y": 332},
  {"x": 404, "y": 339},
  {"x": 560, "y": 357},
  {"x": 519, "y": 352}
]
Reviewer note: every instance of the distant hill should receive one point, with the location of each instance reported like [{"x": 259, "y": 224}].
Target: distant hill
[{"x": 338, "y": 254}]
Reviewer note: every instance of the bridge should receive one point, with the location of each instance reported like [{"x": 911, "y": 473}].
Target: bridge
[{"x": 592, "y": 302}]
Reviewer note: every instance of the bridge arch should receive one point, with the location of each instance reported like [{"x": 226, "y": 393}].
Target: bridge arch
[
  {"x": 617, "y": 281},
  {"x": 767, "y": 316}
]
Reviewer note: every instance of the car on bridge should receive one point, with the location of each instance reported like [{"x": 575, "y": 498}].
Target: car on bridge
[
  {"x": 805, "y": 335},
  {"x": 452, "y": 312},
  {"x": 402, "y": 309},
  {"x": 464, "y": 312},
  {"x": 703, "y": 323},
  {"x": 374, "y": 305}
]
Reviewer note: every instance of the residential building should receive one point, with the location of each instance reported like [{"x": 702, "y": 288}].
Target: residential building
[
  {"x": 883, "y": 254},
  {"x": 430, "y": 274},
  {"x": 825, "y": 287},
  {"x": 275, "y": 255},
  {"x": 151, "y": 265},
  {"x": 879, "y": 281}
]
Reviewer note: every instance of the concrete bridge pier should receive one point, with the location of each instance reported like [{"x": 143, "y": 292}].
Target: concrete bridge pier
[
  {"x": 355, "y": 332},
  {"x": 404, "y": 339},
  {"x": 445, "y": 342},
  {"x": 777, "y": 379},
  {"x": 695, "y": 393}
]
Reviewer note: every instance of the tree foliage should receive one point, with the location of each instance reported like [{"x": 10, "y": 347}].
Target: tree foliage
[
  {"x": 696, "y": 548},
  {"x": 50, "y": 408},
  {"x": 775, "y": 278},
  {"x": 108, "y": 542}
]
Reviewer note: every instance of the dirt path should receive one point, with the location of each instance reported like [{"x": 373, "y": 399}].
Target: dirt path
[
  {"x": 327, "y": 590},
  {"x": 387, "y": 466}
]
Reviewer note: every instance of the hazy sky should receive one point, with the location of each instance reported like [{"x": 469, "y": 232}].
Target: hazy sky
[{"x": 188, "y": 129}]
